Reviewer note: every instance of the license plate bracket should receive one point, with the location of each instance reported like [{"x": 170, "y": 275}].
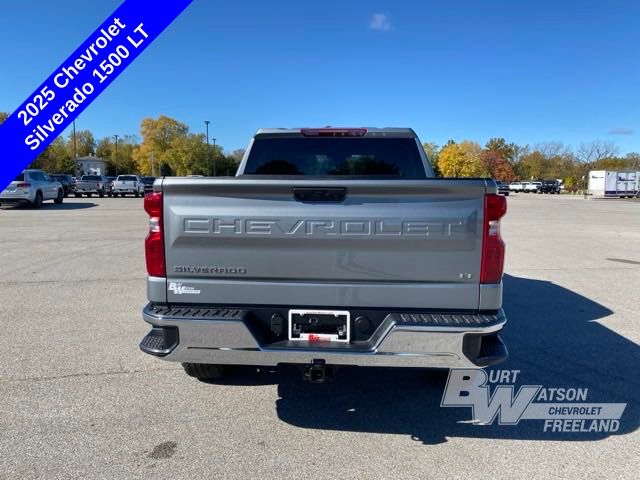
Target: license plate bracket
[{"x": 320, "y": 325}]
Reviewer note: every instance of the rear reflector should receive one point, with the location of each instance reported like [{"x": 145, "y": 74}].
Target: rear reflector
[
  {"x": 333, "y": 132},
  {"x": 154, "y": 243},
  {"x": 495, "y": 206},
  {"x": 23, "y": 185}
]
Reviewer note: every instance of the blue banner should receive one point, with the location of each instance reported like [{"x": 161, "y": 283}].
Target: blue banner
[{"x": 78, "y": 81}]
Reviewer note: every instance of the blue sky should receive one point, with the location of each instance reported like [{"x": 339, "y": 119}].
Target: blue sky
[{"x": 527, "y": 71}]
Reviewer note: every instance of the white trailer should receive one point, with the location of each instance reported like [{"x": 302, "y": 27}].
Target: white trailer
[{"x": 608, "y": 183}]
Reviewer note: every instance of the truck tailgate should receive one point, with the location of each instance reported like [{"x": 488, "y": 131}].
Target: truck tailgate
[{"x": 388, "y": 243}]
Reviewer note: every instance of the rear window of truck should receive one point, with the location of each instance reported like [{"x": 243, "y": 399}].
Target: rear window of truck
[
  {"x": 395, "y": 157},
  {"x": 92, "y": 177},
  {"x": 126, "y": 178}
]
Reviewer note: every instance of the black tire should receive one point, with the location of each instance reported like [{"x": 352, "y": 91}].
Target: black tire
[
  {"x": 88, "y": 195},
  {"x": 78, "y": 195},
  {"x": 101, "y": 194},
  {"x": 60, "y": 198},
  {"x": 136, "y": 195},
  {"x": 37, "y": 203},
  {"x": 203, "y": 371},
  {"x": 66, "y": 192}
]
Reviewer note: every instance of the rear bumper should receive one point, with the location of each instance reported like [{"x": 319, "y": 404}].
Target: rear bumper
[
  {"x": 405, "y": 339},
  {"x": 12, "y": 197}
]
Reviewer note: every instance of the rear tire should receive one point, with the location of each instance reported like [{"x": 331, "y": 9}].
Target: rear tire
[
  {"x": 37, "y": 203},
  {"x": 88, "y": 195},
  {"x": 58, "y": 200},
  {"x": 78, "y": 195},
  {"x": 203, "y": 371}
]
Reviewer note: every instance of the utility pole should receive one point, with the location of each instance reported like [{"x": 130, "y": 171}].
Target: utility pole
[
  {"x": 153, "y": 172},
  {"x": 206, "y": 123},
  {"x": 214, "y": 157},
  {"x": 116, "y": 137},
  {"x": 75, "y": 146}
]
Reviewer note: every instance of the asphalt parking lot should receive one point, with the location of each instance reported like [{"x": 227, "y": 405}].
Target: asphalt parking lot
[{"x": 79, "y": 400}]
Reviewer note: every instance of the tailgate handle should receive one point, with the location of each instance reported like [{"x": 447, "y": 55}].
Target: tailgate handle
[{"x": 319, "y": 194}]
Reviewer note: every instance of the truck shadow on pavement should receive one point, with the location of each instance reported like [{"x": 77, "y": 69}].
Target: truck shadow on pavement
[
  {"x": 553, "y": 340},
  {"x": 50, "y": 206}
]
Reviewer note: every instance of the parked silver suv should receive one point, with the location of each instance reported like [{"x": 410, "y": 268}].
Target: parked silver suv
[{"x": 33, "y": 187}]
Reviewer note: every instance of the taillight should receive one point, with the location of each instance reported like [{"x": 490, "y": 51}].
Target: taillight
[
  {"x": 154, "y": 243},
  {"x": 333, "y": 132},
  {"x": 23, "y": 185},
  {"x": 495, "y": 206}
]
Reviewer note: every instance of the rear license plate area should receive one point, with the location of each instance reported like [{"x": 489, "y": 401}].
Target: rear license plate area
[{"x": 319, "y": 325}]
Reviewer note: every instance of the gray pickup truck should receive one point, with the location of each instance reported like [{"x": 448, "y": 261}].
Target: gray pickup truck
[
  {"x": 330, "y": 247},
  {"x": 90, "y": 184}
]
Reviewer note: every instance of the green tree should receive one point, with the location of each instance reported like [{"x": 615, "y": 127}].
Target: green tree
[
  {"x": 506, "y": 151},
  {"x": 433, "y": 152},
  {"x": 127, "y": 146},
  {"x": 187, "y": 155},
  {"x": 531, "y": 166},
  {"x": 56, "y": 158},
  {"x": 85, "y": 143}
]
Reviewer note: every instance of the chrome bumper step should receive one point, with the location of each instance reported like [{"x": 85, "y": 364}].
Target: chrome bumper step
[{"x": 220, "y": 335}]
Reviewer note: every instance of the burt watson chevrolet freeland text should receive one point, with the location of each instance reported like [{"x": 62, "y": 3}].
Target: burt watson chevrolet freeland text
[{"x": 66, "y": 74}]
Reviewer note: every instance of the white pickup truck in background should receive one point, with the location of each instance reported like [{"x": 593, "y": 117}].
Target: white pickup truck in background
[{"x": 128, "y": 184}]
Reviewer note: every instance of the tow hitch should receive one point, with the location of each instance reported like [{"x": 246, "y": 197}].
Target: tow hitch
[{"x": 317, "y": 372}]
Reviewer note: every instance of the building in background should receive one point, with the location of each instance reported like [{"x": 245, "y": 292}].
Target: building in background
[{"x": 90, "y": 166}]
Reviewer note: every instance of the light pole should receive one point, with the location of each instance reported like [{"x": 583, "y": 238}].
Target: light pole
[
  {"x": 206, "y": 122},
  {"x": 75, "y": 148},
  {"x": 214, "y": 157},
  {"x": 116, "y": 137}
]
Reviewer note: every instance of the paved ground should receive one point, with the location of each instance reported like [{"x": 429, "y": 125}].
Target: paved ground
[{"x": 78, "y": 399}]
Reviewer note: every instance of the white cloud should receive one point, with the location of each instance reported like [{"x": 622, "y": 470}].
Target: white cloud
[
  {"x": 380, "y": 22},
  {"x": 621, "y": 131}
]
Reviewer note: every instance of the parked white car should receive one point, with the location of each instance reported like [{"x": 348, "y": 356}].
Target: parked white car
[
  {"x": 531, "y": 187},
  {"x": 33, "y": 187},
  {"x": 128, "y": 184},
  {"x": 515, "y": 186}
]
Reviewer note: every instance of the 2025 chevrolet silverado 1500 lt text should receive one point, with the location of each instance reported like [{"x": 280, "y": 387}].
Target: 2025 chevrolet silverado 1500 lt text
[{"x": 330, "y": 247}]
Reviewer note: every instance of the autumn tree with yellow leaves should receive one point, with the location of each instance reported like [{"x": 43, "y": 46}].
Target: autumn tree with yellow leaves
[{"x": 460, "y": 160}]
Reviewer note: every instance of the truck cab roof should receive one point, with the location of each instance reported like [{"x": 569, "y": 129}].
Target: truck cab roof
[{"x": 394, "y": 132}]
